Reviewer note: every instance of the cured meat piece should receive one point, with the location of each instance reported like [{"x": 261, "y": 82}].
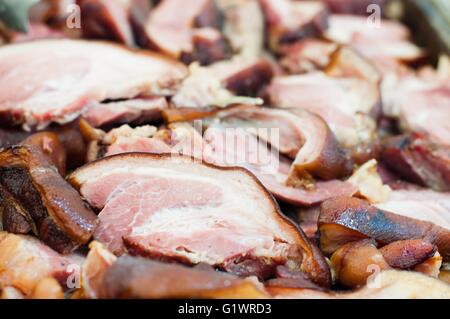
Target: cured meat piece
[
  {"x": 208, "y": 46},
  {"x": 69, "y": 135},
  {"x": 43, "y": 201},
  {"x": 385, "y": 44},
  {"x": 131, "y": 277},
  {"x": 48, "y": 144},
  {"x": 288, "y": 21},
  {"x": 302, "y": 136},
  {"x": 360, "y": 7},
  {"x": 340, "y": 217},
  {"x": 106, "y": 19},
  {"x": 219, "y": 83},
  {"x": 173, "y": 29},
  {"x": 81, "y": 73},
  {"x": 246, "y": 35},
  {"x": 420, "y": 103},
  {"x": 420, "y": 204},
  {"x": 307, "y": 55},
  {"x": 144, "y": 205},
  {"x": 271, "y": 170},
  {"x": 25, "y": 261},
  {"x": 418, "y": 160},
  {"x": 355, "y": 262},
  {"x": 136, "y": 111},
  {"x": 344, "y": 103},
  {"x": 405, "y": 254},
  {"x": 387, "y": 284}
]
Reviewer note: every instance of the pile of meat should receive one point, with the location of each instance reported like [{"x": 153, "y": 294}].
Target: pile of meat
[{"x": 229, "y": 148}]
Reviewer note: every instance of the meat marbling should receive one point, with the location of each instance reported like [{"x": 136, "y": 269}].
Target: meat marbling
[{"x": 227, "y": 219}]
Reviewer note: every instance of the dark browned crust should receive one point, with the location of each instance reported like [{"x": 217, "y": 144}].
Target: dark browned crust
[
  {"x": 312, "y": 263},
  {"x": 334, "y": 161},
  {"x": 131, "y": 277},
  {"x": 52, "y": 208},
  {"x": 250, "y": 81},
  {"x": 368, "y": 221},
  {"x": 98, "y": 22},
  {"x": 418, "y": 160},
  {"x": 405, "y": 254},
  {"x": 207, "y": 51}
]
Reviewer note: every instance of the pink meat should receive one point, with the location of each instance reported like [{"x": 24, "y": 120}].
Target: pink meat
[{"x": 63, "y": 77}]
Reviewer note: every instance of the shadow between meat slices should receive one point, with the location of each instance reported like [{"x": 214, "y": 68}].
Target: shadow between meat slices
[
  {"x": 43, "y": 202},
  {"x": 173, "y": 207}
]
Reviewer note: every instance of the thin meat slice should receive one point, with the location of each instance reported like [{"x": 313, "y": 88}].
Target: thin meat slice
[
  {"x": 418, "y": 160},
  {"x": 420, "y": 103},
  {"x": 131, "y": 277},
  {"x": 288, "y": 21},
  {"x": 36, "y": 198},
  {"x": 136, "y": 111},
  {"x": 66, "y": 76},
  {"x": 24, "y": 261},
  {"x": 421, "y": 204},
  {"x": 343, "y": 219},
  {"x": 237, "y": 147},
  {"x": 106, "y": 19},
  {"x": 386, "y": 44},
  {"x": 172, "y": 28},
  {"x": 344, "y": 103},
  {"x": 303, "y": 136},
  {"x": 227, "y": 219}
]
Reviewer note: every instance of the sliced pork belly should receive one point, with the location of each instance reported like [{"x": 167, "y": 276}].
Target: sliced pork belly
[
  {"x": 303, "y": 136},
  {"x": 35, "y": 198},
  {"x": 131, "y": 277},
  {"x": 24, "y": 261},
  {"x": 344, "y": 103},
  {"x": 237, "y": 147},
  {"x": 343, "y": 220},
  {"x": 421, "y": 204},
  {"x": 81, "y": 72},
  {"x": 386, "y": 45},
  {"x": 172, "y": 28},
  {"x": 288, "y": 21},
  {"x": 136, "y": 111},
  {"x": 106, "y": 19},
  {"x": 418, "y": 160},
  {"x": 420, "y": 103},
  {"x": 227, "y": 219},
  {"x": 224, "y": 83}
]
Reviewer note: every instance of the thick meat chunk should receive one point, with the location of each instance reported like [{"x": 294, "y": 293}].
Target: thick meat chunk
[
  {"x": 146, "y": 209},
  {"x": 35, "y": 197}
]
